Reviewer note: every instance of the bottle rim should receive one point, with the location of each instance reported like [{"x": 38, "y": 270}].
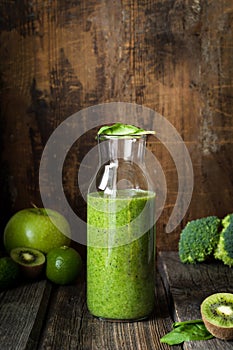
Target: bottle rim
[{"x": 115, "y": 136}]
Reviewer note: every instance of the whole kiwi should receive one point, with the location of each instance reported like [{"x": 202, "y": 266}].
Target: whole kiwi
[
  {"x": 31, "y": 261},
  {"x": 217, "y": 315}
]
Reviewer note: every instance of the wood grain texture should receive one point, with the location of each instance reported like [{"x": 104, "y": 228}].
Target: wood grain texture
[
  {"x": 58, "y": 57},
  {"x": 69, "y": 325},
  {"x": 43, "y": 316},
  {"x": 188, "y": 285},
  {"x": 22, "y": 312}
]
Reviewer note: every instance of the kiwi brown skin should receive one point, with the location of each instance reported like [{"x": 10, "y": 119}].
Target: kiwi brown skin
[
  {"x": 31, "y": 261},
  {"x": 214, "y": 325},
  {"x": 224, "y": 333}
]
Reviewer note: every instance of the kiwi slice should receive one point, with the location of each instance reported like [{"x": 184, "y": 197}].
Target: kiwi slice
[
  {"x": 31, "y": 261},
  {"x": 217, "y": 315}
]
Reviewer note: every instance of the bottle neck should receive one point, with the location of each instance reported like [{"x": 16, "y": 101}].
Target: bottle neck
[
  {"x": 115, "y": 148},
  {"x": 122, "y": 164}
]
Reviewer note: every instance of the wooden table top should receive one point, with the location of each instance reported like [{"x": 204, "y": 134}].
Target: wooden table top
[{"x": 40, "y": 315}]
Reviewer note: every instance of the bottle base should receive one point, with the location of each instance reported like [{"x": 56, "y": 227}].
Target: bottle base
[{"x": 123, "y": 320}]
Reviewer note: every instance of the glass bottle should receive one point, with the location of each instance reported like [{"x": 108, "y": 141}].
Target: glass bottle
[{"x": 121, "y": 232}]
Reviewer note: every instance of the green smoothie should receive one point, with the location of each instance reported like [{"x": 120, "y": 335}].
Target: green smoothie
[{"x": 120, "y": 254}]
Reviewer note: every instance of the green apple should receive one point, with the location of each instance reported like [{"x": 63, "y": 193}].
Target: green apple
[{"x": 37, "y": 228}]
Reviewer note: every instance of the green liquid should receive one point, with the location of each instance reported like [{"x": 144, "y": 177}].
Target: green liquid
[{"x": 120, "y": 255}]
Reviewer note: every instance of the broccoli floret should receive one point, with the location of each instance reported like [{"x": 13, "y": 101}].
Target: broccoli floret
[
  {"x": 224, "y": 250},
  {"x": 227, "y": 220},
  {"x": 199, "y": 239}
]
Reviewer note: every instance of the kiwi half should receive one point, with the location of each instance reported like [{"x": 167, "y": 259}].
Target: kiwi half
[
  {"x": 217, "y": 315},
  {"x": 31, "y": 261}
]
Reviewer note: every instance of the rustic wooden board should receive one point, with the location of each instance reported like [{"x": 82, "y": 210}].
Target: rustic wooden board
[
  {"x": 188, "y": 286},
  {"x": 39, "y": 315},
  {"x": 22, "y": 312},
  {"x": 69, "y": 325}
]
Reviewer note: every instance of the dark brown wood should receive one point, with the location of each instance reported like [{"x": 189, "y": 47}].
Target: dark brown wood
[
  {"x": 22, "y": 312},
  {"x": 188, "y": 286},
  {"x": 58, "y": 57},
  {"x": 38, "y": 316},
  {"x": 68, "y": 322},
  {"x": 41, "y": 316}
]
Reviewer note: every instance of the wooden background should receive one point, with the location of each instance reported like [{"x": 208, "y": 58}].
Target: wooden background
[{"x": 175, "y": 57}]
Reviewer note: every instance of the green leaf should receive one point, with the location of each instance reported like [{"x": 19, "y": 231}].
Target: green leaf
[
  {"x": 120, "y": 129},
  {"x": 173, "y": 338},
  {"x": 177, "y": 324},
  {"x": 186, "y": 331}
]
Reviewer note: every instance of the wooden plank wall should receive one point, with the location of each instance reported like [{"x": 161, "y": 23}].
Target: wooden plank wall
[{"x": 176, "y": 57}]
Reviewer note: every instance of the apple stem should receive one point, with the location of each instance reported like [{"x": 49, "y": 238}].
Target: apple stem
[
  {"x": 34, "y": 205},
  {"x": 40, "y": 210}
]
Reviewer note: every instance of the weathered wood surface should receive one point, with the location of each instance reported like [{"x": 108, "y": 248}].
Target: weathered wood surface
[
  {"x": 42, "y": 316},
  {"x": 188, "y": 286},
  {"x": 22, "y": 312},
  {"x": 66, "y": 324},
  {"x": 58, "y": 57},
  {"x": 69, "y": 322}
]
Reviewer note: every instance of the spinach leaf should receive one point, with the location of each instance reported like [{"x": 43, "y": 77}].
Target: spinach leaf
[
  {"x": 123, "y": 129},
  {"x": 186, "y": 331}
]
